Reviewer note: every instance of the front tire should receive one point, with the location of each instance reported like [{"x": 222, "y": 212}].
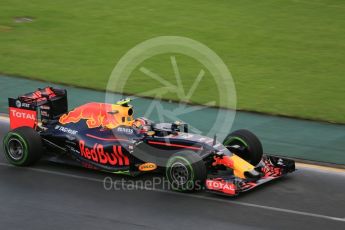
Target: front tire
[
  {"x": 22, "y": 146},
  {"x": 186, "y": 171},
  {"x": 249, "y": 143}
]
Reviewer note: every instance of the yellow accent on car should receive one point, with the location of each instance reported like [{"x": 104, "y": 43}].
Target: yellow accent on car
[
  {"x": 122, "y": 114},
  {"x": 240, "y": 166},
  {"x": 123, "y": 101}
]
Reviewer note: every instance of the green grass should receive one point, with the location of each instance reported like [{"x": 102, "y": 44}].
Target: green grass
[{"x": 287, "y": 57}]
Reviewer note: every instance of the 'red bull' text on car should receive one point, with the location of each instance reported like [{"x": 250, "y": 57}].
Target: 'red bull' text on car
[{"x": 107, "y": 137}]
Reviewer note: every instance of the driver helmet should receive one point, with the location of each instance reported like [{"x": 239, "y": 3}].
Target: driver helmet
[{"x": 142, "y": 124}]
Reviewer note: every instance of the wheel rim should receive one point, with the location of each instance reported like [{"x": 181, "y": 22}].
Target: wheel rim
[
  {"x": 179, "y": 173},
  {"x": 15, "y": 149}
]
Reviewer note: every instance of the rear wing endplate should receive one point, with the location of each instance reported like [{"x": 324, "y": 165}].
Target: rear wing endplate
[{"x": 44, "y": 104}]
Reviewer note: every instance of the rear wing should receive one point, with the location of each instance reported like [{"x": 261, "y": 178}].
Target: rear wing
[{"x": 45, "y": 104}]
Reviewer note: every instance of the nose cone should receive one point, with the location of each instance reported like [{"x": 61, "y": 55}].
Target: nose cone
[{"x": 253, "y": 174}]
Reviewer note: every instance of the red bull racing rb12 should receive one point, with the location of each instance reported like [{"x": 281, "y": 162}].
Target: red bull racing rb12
[{"x": 107, "y": 137}]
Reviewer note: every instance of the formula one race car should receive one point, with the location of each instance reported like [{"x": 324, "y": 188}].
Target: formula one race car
[{"x": 107, "y": 137}]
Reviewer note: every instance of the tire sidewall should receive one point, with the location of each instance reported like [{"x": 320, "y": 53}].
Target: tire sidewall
[
  {"x": 18, "y": 137},
  {"x": 196, "y": 171},
  {"x": 189, "y": 185},
  {"x": 31, "y": 142}
]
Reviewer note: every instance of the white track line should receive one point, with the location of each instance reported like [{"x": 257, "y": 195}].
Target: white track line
[
  {"x": 319, "y": 168},
  {"x": 283, "y": 210},
  {"x": 301, "y": 165},
  {"x": 2, "y": 118}
]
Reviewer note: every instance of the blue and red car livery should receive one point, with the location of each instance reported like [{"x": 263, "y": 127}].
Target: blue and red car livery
[{"x": 107, "y": 137}]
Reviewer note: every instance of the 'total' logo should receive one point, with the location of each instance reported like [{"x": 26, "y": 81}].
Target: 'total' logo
[
  {"x": 22, "y": 114},
  {"x": 22, "y": 117},
  {"x": 222, "y": 186},
  {"x": 97, "y": 154}
]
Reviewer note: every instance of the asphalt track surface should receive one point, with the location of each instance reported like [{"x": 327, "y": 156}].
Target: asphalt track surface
[{"x": 54, "y": 196}]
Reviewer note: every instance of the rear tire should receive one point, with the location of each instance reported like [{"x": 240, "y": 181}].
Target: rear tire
[
  {"x": 22, "y": 146},
  {"x": 249, "y": 142},
  {"x": 186, "y": 171}
]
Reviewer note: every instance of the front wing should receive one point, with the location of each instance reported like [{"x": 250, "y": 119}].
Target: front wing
[{"x": 271, "y": 168}]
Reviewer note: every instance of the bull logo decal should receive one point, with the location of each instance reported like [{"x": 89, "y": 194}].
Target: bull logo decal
[{"x": 99, "y": 114}]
